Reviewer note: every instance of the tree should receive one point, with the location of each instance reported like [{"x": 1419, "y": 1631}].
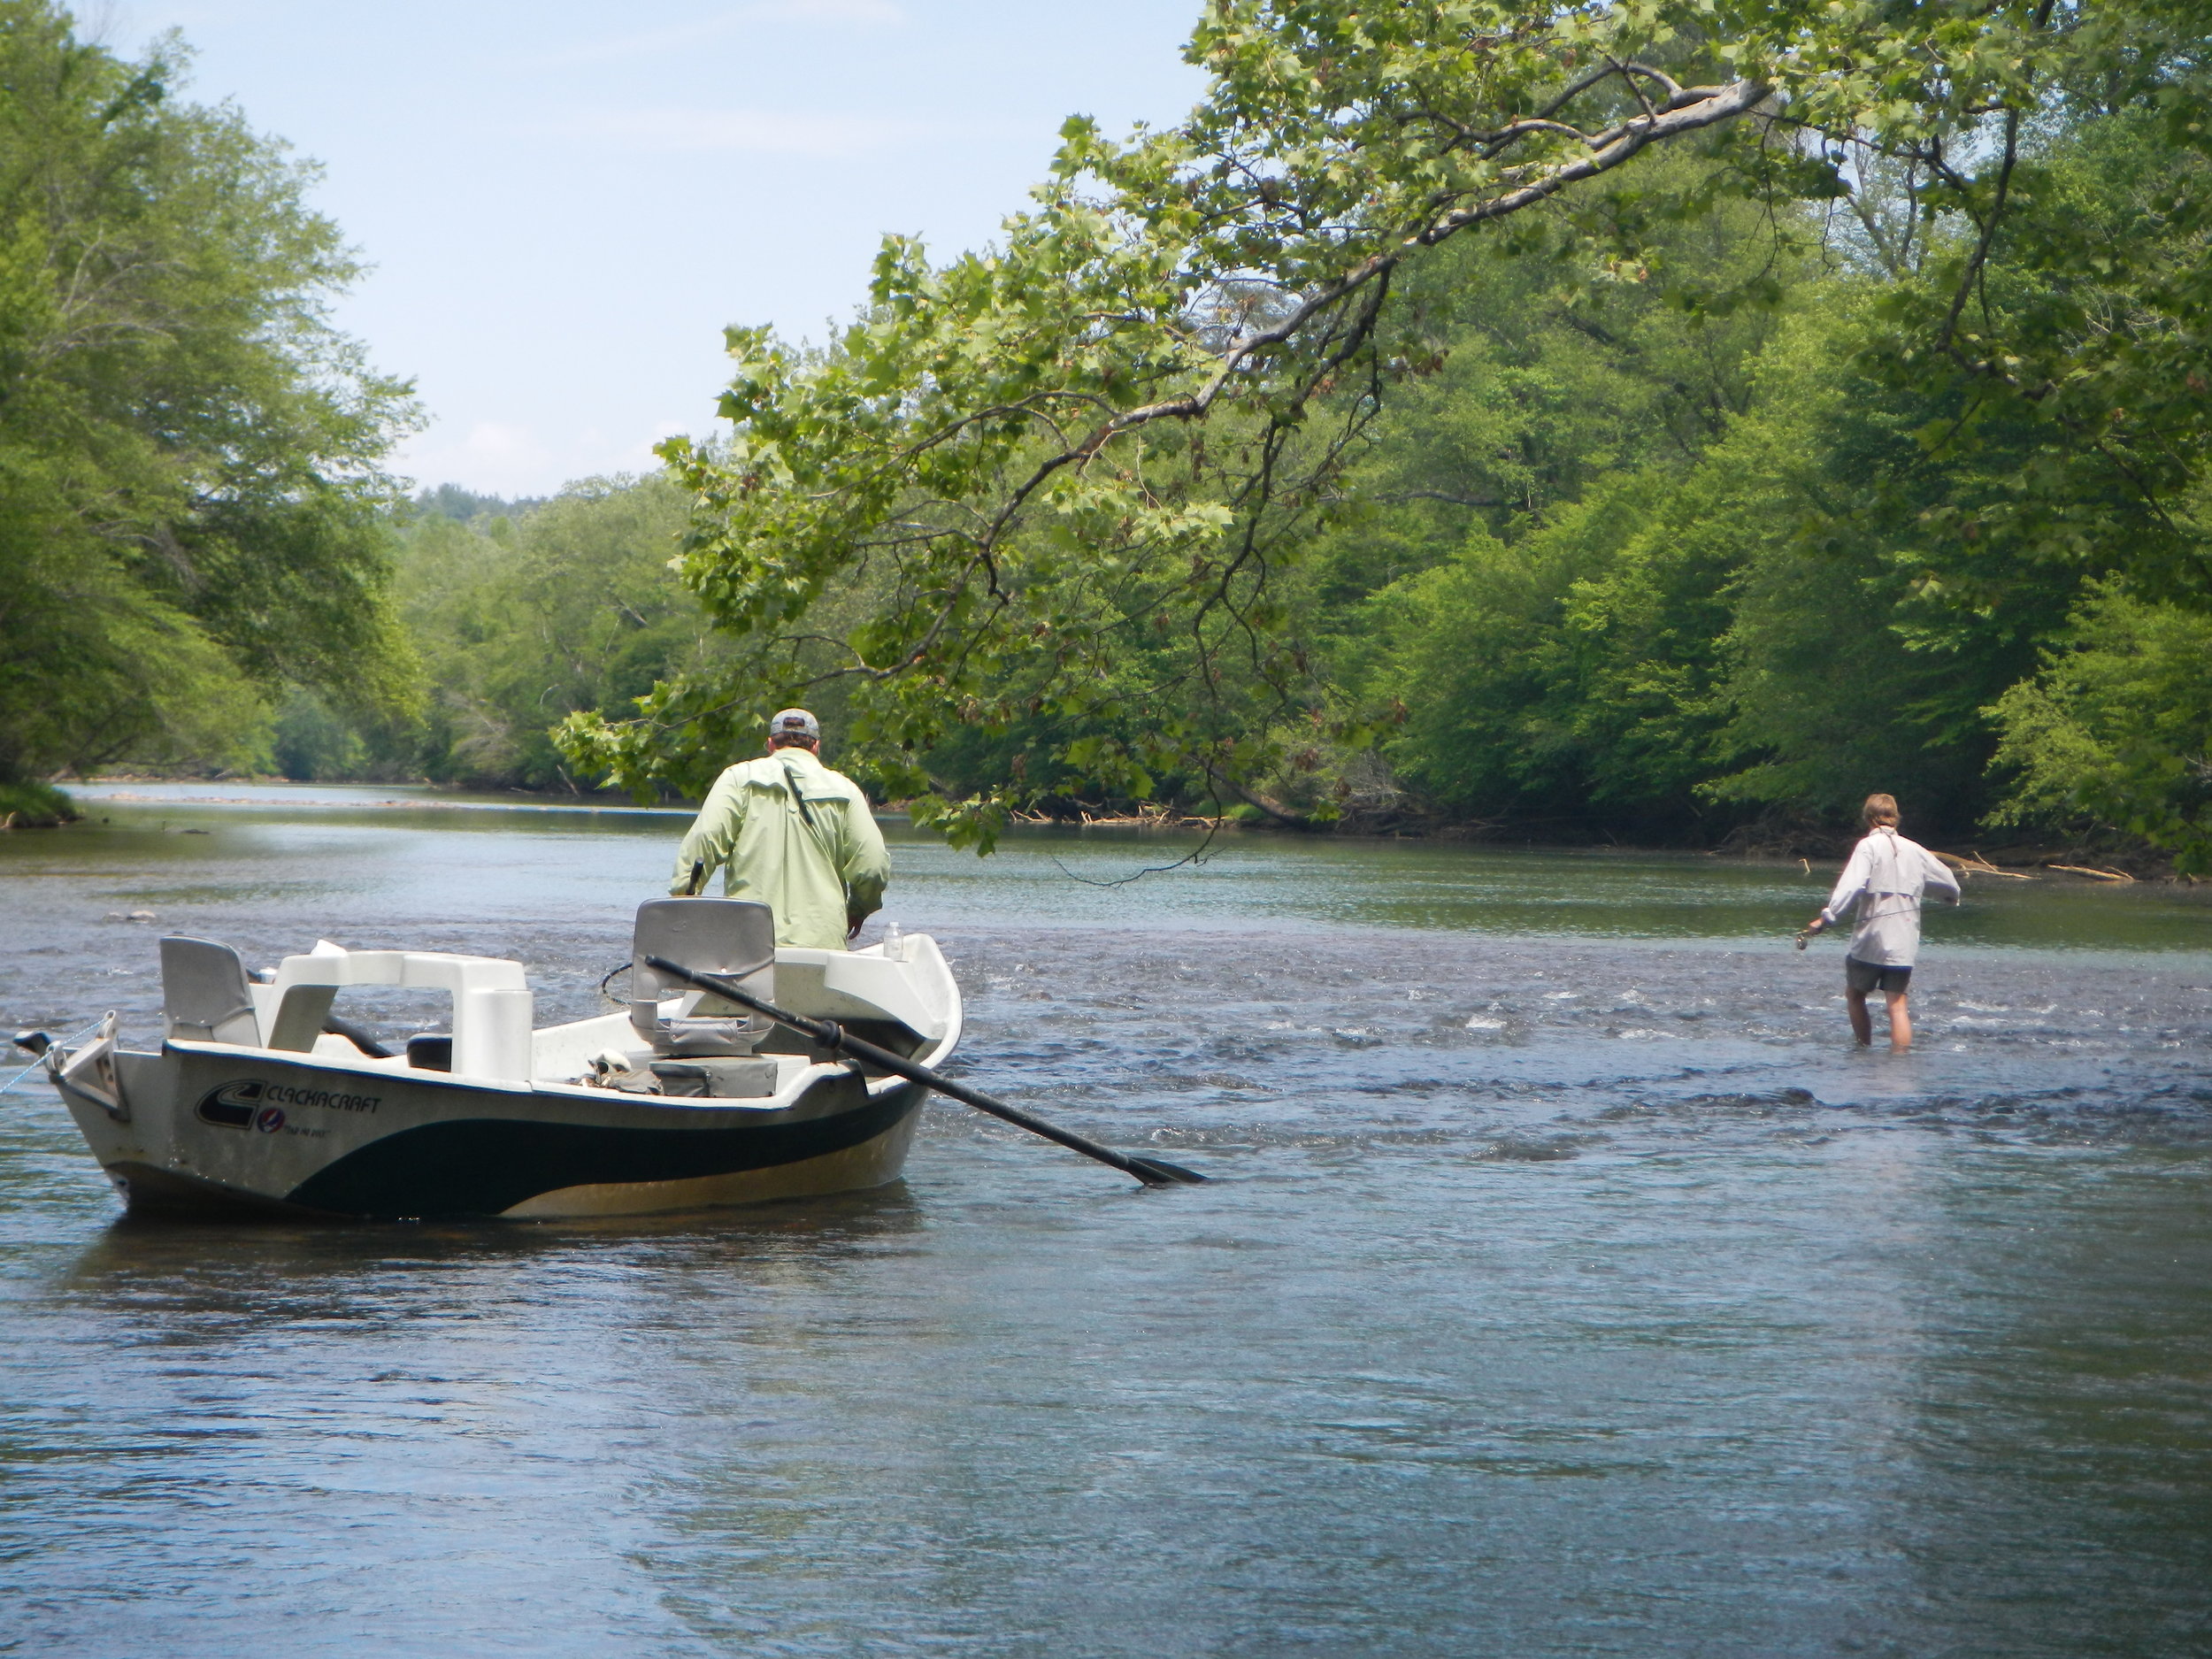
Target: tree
[
  {"x": 519, "y": 620},
  {"x": 192, "y": 499},
  {"x": 2116, "y": 731},
  {"x": 1118, "y": 422}
]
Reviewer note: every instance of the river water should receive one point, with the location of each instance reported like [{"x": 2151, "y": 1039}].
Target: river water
[{"x": 1569, "y": 1286}]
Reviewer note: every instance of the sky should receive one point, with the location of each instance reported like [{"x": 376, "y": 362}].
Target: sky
[{"x": 565, "y": 204}]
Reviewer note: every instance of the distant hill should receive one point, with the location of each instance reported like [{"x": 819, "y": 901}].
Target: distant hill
[{"x": 450, "y": 501}]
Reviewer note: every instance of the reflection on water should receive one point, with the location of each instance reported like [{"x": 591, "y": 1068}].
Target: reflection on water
[{"x": 1570, "y": 1287}]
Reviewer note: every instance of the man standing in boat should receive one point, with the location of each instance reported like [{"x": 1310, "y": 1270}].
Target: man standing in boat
[
  {"x": 1886, "y": 876},
  {"x": 791, "y": 833}
]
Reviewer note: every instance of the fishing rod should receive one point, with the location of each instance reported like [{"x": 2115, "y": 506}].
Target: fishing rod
[{"x": 837, "y": 1039}]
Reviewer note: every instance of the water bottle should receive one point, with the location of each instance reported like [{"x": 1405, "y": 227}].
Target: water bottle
[{"x": 894, "y": 943}]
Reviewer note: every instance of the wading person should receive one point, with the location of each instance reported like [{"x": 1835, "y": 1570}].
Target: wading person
[
  {"x": 1885, "y": 878},
  {"x": 788, "y": 831}
]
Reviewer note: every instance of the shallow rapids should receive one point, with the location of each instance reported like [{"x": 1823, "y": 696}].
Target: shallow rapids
[{"x": 1571, "y": 1286}]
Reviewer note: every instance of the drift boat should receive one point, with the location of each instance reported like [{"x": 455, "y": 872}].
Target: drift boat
[{"x": 261, "y": 1097}]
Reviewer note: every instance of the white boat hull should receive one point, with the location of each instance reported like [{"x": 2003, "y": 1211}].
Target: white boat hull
[{"x": 208, "y": 1124}]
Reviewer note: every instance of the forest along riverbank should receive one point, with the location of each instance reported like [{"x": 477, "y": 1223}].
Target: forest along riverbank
[
  {"x": 2105, "y": 860},
  {"x": 1571, "y": 1286}
]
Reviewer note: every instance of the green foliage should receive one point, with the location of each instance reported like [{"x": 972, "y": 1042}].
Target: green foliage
[
  {"x": 2056, "y": 337},
  {"x": 521, "y": 621},
  {"x": 1577, "y": 677},
  {"x": 2117, "y": 728},
  {"x": 1561, "y": 667},
  {"x": 464, "y": 506},
  {"x": 1066, "y": 493},
  {"x": 108, "y": 673},
  {"x": 309, "y": 743},
  {"x": 35, "y": 806},
  {"x": 1552, "y": 369},
  {"x": 1865, "y": 641},
  {"x": 1116, "y": 425},
  {"x": 1825, "y": 599},
  {"x": 1637, "y": 418},
  {"x": 191, "y": 504},
  {"x": 1872, "y": 548}
]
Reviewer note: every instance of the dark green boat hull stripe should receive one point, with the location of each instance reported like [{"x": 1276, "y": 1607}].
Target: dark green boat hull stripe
[{"x": 480, "y": 1166}]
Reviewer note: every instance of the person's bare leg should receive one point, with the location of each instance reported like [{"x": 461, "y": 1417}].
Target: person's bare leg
[
  {"x": 1861, "y": 1022},
  {"x": 1899, "y": 1023}
]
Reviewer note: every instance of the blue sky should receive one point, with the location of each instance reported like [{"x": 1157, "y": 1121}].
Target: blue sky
[{"x": 565, "y": 203}]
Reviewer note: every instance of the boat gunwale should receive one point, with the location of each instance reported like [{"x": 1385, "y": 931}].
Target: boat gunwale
[{"x": 786, "y": 1099}]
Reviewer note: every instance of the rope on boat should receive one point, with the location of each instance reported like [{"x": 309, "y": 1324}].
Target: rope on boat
[{"x": 74, "y": 1037}]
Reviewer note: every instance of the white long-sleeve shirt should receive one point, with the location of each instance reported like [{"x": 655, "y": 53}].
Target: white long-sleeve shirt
[{"x": 1886, "y": 876}]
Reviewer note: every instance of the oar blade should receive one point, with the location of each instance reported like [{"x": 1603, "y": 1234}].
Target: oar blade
[{"x": 1160, "y": 1172}]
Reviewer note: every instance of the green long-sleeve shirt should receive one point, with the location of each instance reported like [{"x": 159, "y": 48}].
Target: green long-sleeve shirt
[{"x": 821, "y": 878}]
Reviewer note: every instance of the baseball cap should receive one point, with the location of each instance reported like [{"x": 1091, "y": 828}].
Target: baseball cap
[{"x": 795, "y": 723}]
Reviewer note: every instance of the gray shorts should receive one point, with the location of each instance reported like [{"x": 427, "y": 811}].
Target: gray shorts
[{"x": 1873, "y": 976}]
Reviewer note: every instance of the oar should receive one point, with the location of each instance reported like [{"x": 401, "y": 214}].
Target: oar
[
  {"x": 837, "y": 1039},
  {"x": 359, "y": 1036}
]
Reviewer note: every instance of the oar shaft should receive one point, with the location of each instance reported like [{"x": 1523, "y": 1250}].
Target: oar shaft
[
  {"x": 834, "y": 1037},
  {"x": 860, "y": 1048}
]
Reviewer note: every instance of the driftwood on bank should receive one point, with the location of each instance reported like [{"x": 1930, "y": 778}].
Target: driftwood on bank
[
  {"x": 1979, "y": 865},
  {"x": 1152, "y": 817}
]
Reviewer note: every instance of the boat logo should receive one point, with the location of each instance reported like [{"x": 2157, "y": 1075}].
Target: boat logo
[
  {"x": 253, "y": 1104},
  {"x": 233, "y": 1105}
]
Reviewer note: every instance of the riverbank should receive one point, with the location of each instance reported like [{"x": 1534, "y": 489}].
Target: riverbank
[
  {"x": 2091, "y": 861},
  {"x": 35, "y": 806},
  {"x": 2113, "y": 859}
]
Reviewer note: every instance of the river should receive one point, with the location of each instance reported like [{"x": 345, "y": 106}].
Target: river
[{"x": 1570, "y": 1285}]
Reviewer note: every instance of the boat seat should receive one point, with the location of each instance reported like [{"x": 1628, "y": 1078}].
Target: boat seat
[
  {"x": 491, "y": 1001},
  {"x": 431, "y": 1051},
  {"x": 736, "y": 937},
  {"x": 204, "y": 994}
]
